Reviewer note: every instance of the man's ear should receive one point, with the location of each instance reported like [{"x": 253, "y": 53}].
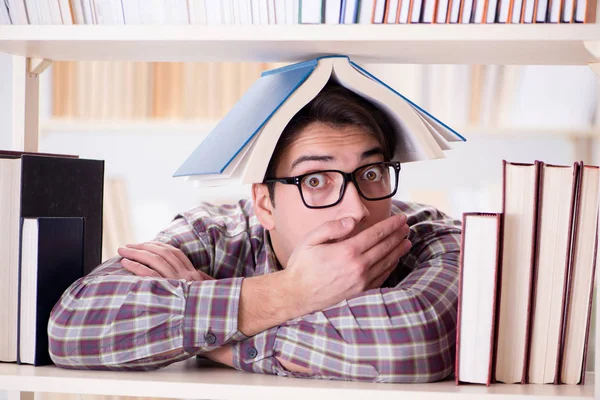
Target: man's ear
[{"x": 263, "y": 207}]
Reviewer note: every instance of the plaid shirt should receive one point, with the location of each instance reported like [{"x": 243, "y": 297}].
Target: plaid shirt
[{"x": 401, "y": 332}]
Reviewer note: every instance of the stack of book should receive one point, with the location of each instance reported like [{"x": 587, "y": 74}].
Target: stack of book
[
  {"x": 527, "y": 278},
  {"x": 50, "y": 235},
  {"x": 269, "y": 12}
]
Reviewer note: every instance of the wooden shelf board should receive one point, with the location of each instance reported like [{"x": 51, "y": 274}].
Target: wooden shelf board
[
  {"x": 416, "y": 43},
  {"x": 189, "y": 379}
]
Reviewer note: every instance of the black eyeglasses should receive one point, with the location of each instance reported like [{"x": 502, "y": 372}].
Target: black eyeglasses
[{"x": 322, "y": 189}]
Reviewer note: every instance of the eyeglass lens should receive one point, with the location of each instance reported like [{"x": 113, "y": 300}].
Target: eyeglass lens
[{"x": 324, "y": 188}]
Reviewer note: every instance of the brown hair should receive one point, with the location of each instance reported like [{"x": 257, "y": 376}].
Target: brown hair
[{"x": 337, "y": 107}]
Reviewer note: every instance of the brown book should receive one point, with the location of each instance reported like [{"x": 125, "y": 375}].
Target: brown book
[
  {"x": 581, "y": 278},
  {"x": 558, "y": 186},
  {"x": 519, "y": 212},
  {"x": 479, "y": 256}
]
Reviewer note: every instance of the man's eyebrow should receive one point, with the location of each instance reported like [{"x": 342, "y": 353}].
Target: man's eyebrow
[
  {"x": 311, "y": 158},
  {"x": 375, "y": 151}
]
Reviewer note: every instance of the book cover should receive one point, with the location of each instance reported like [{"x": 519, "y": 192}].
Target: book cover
[{"x": 51, "y": 260}]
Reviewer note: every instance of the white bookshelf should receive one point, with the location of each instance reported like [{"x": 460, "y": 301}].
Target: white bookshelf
[
  {"x": 549, "y": 44},
  {"x": 188, "y": 380}
]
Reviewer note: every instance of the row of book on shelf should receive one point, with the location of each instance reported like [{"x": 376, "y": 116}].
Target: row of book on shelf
[
  {"x": 527, "y": 278},
  {"x": 266, "y": 12},
  {"x": 51, "y": 234}
]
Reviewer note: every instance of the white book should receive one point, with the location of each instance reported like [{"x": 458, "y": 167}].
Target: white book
[
  {"x": 131, "y": 11},
  {"x": 289, "y": 12},
  {"x": 428, "y": 11},
  {"x": 454, "y": 11},
  {"x": 176, "y": 12},
  {"x": 226, "y": 12},
  {"x": 516, "y": 11},
  {"x": 197, "y": 10},
  {"x": 254, "y": 8},
  {"x": 235, "y": 9},
  {"x": 333, "y": 9},
  {"x": 365, "y": 11},
  {"x": 245, "y": 12},
  {"x": 280, "y": 12},
  {"x": 351, "y": 12},
  {"x": 65, "y": 12},
  {"x": 17, "y": 12},
  {"x": 477, "y": 297},
  {"x": 491, "y": 11},
  {"x": 33, "y": 12},
  {"x": 553, "y": 241},
  {"x": 379, "y": 12},
  {"x": 296, "y": 11},
  {"x": 109, "y": 12},
  {"x": 580, "y": 6},
  {"x": 271, "y": 9},
  {"x": 55, "y": 15},
  {"x": 503, "y": 12},
  {"x": 442, "y": 12},
  {"x": 10, "y": 200},
  {"x": 393, "y": 12},
  {"x": 416, "y": 11},
  {"x": 213, "y": 12},
  {"x": 4, "y": 16},
  {"x": 479, "y": 10},
  {"x": 554, "y": 11},
  {"x": 528, "y": 11},
  {"x": 567, "y": 14},
  {"x": 311, "y": 11},
  {"x": 542, "y": 10},
  {"x": 581, "y": 288},
  {"x": 465, "y": 18},
  {"x": 263, "y": 10}
]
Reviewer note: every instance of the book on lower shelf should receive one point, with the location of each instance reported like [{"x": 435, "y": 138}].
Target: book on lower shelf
[
  {"x": 51, "y": 254},
  {"x": 542, "y": 283},
  {"x": 32, "y": 186}
]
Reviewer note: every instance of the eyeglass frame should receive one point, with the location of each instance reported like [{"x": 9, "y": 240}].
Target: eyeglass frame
[{"x": 347, "y": 177}]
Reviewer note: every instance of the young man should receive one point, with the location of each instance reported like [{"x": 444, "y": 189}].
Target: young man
[{"x": 320, "y": 275}]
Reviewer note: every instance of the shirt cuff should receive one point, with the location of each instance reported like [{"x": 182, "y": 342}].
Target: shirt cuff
[
  {"x": 256, "y": 353},
  {"x": 211, "y": 314}
]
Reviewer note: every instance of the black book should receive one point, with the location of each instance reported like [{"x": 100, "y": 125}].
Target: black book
[
  {"x": 66, "y": 187},
  {"x": 52, "y": 253},
  {"x": 35, "y": 185}
]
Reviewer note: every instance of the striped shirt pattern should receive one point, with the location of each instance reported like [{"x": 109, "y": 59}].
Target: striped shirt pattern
[{"x": 402, "y": 332}]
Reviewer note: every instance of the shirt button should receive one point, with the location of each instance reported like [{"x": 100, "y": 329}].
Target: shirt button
[
  {"x": 210, "y": 338},
  {"x": 251, "y": 353}
]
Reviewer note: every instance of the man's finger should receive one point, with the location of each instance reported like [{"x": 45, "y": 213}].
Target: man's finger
[
  {"x": 138, "y": 269},
  {"x": 149, "y": 259},
  {"x": 375, "y": 234},
  {"x": 177, "y": 253},
  {"x": 168, "y": 253},
  {"x": 385, "y": 247},
  {"x": 329, "y": 231},
  {"x": 384, "y": 268}
]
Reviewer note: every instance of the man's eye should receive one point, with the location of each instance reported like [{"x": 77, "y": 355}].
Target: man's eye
[
  {"x": 314, "y": 181},
  {"x": 373, "y": 174}
]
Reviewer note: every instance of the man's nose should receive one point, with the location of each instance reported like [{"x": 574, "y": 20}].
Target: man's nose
[{"x": 353, "y": 204}]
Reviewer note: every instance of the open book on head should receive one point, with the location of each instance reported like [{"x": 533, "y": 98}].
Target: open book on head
[{"x": 239, "y": 148}]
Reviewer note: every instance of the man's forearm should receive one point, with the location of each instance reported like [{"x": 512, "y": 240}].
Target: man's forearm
[{"x": 266, "y": 301}]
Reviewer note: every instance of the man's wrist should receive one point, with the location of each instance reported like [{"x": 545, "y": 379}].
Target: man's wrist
[{"x": 266, "y": 301}]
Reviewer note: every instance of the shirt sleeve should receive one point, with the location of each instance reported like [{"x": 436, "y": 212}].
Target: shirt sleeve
[
  {"x": 112, "y": 319},
  {"x": 404, "y": 333}
]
